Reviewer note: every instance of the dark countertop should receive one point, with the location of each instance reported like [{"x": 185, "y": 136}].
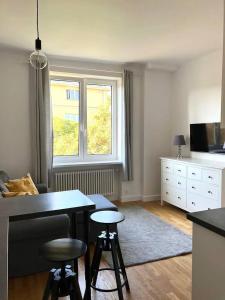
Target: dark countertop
[{"x": 213, "y": 219}]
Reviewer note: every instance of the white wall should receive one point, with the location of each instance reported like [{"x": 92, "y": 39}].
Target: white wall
[
  {"x": 15, "y": 147},
  {"x": 149, "y": 104},
  {"x": 152, "y": 132},
  {"x": 164, "y": 104},
  {"x": 171, "y": 101},
  {"x": 196, "y": 94},
  {"x": 157, "y": 129}
]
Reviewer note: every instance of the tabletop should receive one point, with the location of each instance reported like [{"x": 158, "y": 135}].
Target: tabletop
[{"x": 25, "y": 207}]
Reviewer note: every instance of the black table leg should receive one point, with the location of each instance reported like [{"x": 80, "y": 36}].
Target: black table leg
[
  {"x": 74, "y": 235},
  {"x": 87, "y": 257}
]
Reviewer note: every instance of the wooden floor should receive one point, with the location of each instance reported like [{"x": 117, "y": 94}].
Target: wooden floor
[{"x": 165, "y": 279}]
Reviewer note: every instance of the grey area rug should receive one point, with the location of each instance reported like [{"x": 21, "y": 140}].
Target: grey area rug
[{"x": 144, "y": 237}]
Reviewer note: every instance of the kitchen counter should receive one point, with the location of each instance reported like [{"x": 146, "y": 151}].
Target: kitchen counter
[
  {"x": 213, "y": 219},
  {"x": 208, "y": 260}
]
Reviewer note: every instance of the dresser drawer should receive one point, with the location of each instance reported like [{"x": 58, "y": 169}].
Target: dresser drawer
[
  {"x": 180, "y": 182},
  {"x": 174, "y": 196},
  {"x": 194, "y": 173},
  {"x": 198, "y": 203},
  {"x": 167, "y": 166},
  {"x": 167, "y": 193},
  {"x": 179, "y": 198},
  {"x": 167, "y": 178},
  {"x": 211, "y": 176},
  {"x": 180, "y": 170},
  {"x": 205, "y": 190},
  {"x": 194, "y": 186},
  {"x": 210, "y": 191}
]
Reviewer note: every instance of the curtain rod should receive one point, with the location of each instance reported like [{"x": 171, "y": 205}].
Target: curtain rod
[{"x": 83, "y": 68}]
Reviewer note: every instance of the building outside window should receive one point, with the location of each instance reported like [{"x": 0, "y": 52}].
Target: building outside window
[{"x": 72, "y": 94}]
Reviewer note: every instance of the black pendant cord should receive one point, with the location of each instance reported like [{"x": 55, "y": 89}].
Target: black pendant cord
[
  {"x": 38, "y": 41},
  {"x": 38, "y": 59},
  {"x": 38, "y": 19}
]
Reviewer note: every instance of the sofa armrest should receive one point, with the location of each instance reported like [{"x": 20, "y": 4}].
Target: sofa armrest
[{"x": 42, "y": 188}]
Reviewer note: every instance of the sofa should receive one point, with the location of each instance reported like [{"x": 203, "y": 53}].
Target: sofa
[{"x": 26, "y": 237}]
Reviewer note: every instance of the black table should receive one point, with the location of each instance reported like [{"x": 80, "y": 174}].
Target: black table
[{"x": 30, "y": 207}]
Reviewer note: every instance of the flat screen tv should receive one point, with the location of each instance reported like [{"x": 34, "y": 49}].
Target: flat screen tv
[{"x": 207, "y": 137}]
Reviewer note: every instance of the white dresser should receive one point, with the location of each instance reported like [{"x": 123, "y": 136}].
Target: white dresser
[{"x": 193, "y": 184}]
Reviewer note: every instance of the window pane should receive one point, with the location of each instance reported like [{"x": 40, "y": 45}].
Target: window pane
[
  {"x": 65, "y": 117},
  {"x": 99, "y": 119}
]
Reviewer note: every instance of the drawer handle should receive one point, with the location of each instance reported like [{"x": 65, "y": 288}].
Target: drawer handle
[
  {"x": 167, "y": 179},
  {"x": 193, "y": 187},
  {"x": 179, "y": 170},
  {"x": 210, "y": 177},
  {"x": 167, "y": 167},
  {"x": 178, "y": 197},
  {"x": 209, "y": 192},
  {"x": 193, "y": 203},
  {"x": 193, "y": 173},
  {"x": 179, "y": 182}
]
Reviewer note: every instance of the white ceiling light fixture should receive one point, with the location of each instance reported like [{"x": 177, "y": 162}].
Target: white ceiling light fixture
[{"x": 38, "y": 59}]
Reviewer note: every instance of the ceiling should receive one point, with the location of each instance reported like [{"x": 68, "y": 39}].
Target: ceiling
[{"x": 157, "y": 31}]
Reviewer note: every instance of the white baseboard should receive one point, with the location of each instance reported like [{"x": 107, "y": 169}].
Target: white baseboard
[
  {"x": 129, "y": 198},
  {"x": 146, "y": 198}
]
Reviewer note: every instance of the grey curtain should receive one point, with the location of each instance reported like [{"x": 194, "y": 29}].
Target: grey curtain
[
  {"x": 128, "y": 118},
  {"x": 41, "y": 121}
]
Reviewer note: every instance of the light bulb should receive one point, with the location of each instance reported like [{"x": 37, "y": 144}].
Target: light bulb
[{"x": 38, "y": 60}]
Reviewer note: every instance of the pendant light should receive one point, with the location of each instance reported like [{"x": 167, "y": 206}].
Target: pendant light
[{"x": 38, "y": 59}]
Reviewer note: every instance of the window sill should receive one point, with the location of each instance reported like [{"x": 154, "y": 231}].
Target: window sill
[{"x": 90, "y": 164}]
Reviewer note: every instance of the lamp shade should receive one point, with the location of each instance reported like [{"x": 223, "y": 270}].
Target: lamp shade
[{"x": 179, "y": 140}]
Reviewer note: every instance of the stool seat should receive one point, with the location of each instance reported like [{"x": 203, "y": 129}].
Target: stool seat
[
  {"x": 107, "y": 217},
  {"x": 63, "y": 250}
]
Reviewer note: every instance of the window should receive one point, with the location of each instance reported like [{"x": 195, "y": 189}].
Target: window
[
  {"x": 72, "y": 94},
  {"x": 85, "y": 129}
]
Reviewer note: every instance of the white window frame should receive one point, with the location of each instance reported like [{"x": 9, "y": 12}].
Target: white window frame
[{"x": 83, "y": 156}]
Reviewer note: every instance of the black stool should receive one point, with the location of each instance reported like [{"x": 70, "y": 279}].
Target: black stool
[
  {"x": 63, "y": 282},
  {"x": 108, "y": 241}
]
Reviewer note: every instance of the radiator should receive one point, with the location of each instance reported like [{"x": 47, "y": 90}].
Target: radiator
[{"x": 87, "y": 181}]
